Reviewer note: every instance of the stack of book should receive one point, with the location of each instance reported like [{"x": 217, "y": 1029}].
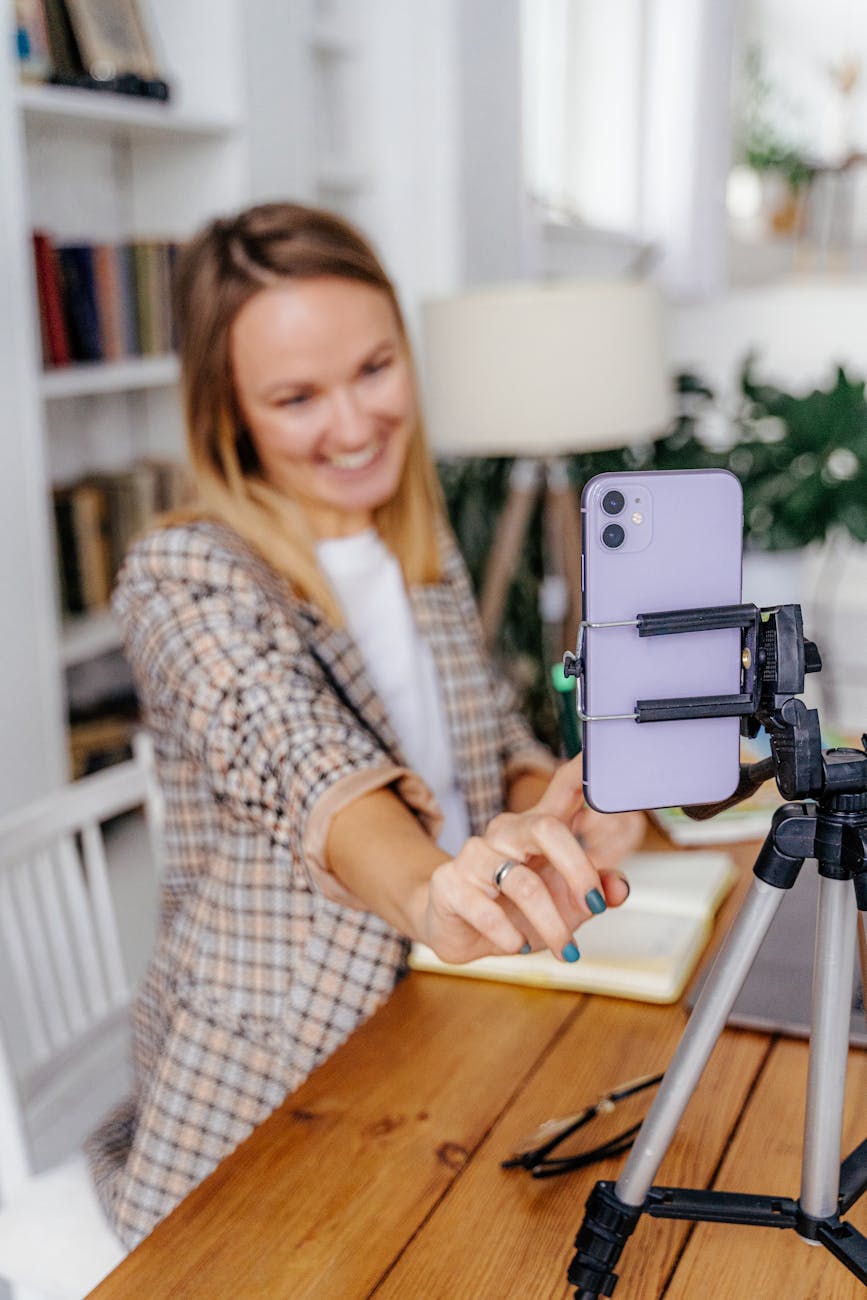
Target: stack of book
[
  {"x": 98, "y": 516},
  {"x": 102, "y": 302}
]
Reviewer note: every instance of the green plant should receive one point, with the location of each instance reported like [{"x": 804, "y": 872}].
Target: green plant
[
  {"x": 802, "y": 462},
  {"x": 760, "y": 141}
]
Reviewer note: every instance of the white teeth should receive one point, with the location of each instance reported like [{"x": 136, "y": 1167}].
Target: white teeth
[{"x": 355, "y": 459}]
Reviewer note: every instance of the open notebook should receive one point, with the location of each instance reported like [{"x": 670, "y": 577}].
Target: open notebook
[{"x": 647, "y": 949}]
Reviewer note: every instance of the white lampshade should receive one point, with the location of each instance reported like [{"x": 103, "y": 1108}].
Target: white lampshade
[{"x": 545, "y": 369}]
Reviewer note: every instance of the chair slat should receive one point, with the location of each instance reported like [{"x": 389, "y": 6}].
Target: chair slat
[
  {"x": 64, "y": 1032},
  {"x": 96, "y": 868},
  {"x": 28, "y": 1003},
  {"x": 40, "y": 956},
  {"x": 57, "y": 928},
  {"x": 77, "y": 900},
  {"x": 21, "y": 931}
]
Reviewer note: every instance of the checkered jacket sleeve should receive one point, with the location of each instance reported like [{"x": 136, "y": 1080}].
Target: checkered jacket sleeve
[{"x": 221, "y": 668}]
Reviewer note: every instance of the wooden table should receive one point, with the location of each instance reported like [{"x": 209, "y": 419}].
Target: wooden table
[{"x": 381, "y": 1175}]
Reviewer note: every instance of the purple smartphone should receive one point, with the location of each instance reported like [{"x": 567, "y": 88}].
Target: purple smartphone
[{"x": 658, "y": 541}]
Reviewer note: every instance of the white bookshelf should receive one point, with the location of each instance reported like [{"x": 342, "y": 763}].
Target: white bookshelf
[
  {"x": 345, "y": 103},
  {"x": 88, "y": 378},
  {"x": 113, "y": 115},
  {"x": 94, "y": 167},
  {"x": 85, "y": 636}
]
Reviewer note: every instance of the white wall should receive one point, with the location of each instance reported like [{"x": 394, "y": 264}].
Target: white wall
[{"x": 800, "y": 329}]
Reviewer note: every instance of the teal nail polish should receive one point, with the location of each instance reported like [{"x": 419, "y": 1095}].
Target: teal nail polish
[
  {"x": 526, "y": 948},
  {"x": 570, "y": 952},
  {"x": 595, "y": 902}
]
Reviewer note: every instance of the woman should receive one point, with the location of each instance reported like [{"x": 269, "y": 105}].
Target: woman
[{"x": 335, "y": 753}]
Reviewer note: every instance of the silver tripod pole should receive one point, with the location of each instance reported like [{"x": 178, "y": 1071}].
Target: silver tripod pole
[
  {"x": 862, "y": 949},
  {"x": 829, "y": 1043},
  {"x": 705, "y": 1025},
  {"x": 833, "y": 973}
]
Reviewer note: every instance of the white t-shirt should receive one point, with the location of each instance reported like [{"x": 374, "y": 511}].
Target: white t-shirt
[{"x": 368, "y": 583}]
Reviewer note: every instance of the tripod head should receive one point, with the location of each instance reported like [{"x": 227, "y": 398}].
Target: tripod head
[{"x": 776, "y": 656}]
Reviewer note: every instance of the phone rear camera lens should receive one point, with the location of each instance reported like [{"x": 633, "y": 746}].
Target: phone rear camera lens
[
  {"x": 612, "y": 503},
  {"x": 613, "y": 535}
]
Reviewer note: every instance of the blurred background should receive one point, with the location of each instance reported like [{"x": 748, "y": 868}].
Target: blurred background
[{"x": 706, "y": 158}]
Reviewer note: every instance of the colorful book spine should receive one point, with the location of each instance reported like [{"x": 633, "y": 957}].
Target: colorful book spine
[
  {"x": 103, "y": 302},
  {"x": 108, "y": 301},
  {"x": 79, "y": 296},
  {"x": 55, "y": 340},
  {"x": 97, "y": 518}
]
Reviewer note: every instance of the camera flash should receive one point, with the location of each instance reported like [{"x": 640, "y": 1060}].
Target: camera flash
[{"x": 637, "y": 517}]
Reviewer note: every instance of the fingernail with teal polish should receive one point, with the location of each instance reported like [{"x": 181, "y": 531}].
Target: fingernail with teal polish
[
  {"x": 570, "y": 952},
  {"x": 595, "y": 902},
  {"x": 526, "y": 948}
]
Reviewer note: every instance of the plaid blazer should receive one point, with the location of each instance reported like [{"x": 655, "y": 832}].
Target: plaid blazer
[{"x": 265, "y": 725}]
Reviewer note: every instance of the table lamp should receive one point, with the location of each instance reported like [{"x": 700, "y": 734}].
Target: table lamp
[{"x": 539, "y": 372}]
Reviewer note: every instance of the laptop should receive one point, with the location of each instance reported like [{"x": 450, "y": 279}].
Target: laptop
[{"x": 776, "y": 994}]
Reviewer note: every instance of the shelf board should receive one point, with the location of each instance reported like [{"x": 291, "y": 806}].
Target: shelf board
[
  {"x": 85, "y": 636},
  {"x": 86, "y": 378},
  {"x": 115, "y": 114}
]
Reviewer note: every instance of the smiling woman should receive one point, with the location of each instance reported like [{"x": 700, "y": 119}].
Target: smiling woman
[
  {"x": 324, "y": 384},
  {"x": 342, "y": 770}
]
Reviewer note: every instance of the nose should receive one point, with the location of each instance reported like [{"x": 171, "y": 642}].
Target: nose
[{"x": 349, "y": 424}]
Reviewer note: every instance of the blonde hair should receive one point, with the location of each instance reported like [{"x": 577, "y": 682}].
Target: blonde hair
[{"x": 228, "y": 262}]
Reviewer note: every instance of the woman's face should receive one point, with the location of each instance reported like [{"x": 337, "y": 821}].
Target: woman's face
[{"x": 324, "y": 382}]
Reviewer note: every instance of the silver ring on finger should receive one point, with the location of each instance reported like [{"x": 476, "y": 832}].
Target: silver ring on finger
[{"x": 502, "y": 871}]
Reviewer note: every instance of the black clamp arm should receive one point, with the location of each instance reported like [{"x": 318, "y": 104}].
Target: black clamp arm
[{"x": 672, "y": 622}]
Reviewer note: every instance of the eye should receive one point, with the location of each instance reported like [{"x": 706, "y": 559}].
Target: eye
[
  {"x": 297, "y": 399},
  {"x": 376, "y": 365}
]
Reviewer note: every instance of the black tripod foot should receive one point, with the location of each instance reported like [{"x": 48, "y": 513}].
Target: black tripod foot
[{"x": 608, "y": 1222}]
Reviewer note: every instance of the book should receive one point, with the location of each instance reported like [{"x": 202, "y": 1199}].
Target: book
[
  {"x": 34, "y": 59},
  {"x": 145, "y": 281},
  {"x": 71, "y": 598},
  {"x": 79, "y": 296},
  {"x": 646, "y": 950},
  {"x": 127, "y": 299},
  {"x": 52, "y": 320},
  {"x": 108, "y": 301},
  {"x": 83, "y": 556},
  {"x": 131, "y": 503},
  {"x": 750, "y": 820}
]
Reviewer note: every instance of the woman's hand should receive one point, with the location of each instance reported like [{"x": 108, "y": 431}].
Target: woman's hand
[
  {"x": 554, "y": 887},
  {"x": 608, "y": 838}
]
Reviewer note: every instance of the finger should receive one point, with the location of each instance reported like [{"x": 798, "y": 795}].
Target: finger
[
  {"x": 609, "y": 838},
  {"x": 527, "y": 890},
  {"x": 455, "y": 894},
  {"x": 548, "y": 837},
  {"x": 565, "y": 794},
  {"x": 615, "y": 886}
]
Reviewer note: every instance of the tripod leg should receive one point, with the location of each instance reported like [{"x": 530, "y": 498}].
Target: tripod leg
[
  {"x": 829, "y": 1047},
  {"x": 704, "y": 1028},
  {"x": 524, "y": 483},
  {"x": 862, "y": 950}
]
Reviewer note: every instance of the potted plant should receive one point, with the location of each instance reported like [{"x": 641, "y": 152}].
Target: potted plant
[{"x": 802, "y": 462}]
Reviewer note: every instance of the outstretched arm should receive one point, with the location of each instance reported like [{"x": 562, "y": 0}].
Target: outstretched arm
[{"x": 379, "y": 851}]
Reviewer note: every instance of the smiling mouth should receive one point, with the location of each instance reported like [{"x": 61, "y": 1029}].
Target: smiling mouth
[{"x": 354, "y": 460}]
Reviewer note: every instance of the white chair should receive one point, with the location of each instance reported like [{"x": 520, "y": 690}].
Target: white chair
[{"x": 64, "y": 1029}]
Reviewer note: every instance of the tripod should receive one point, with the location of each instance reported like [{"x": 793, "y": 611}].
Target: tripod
[{"x": 833, "y": 830}]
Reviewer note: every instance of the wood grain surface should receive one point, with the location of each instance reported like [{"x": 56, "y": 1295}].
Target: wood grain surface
[{"x": 381, "y": 1176}]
